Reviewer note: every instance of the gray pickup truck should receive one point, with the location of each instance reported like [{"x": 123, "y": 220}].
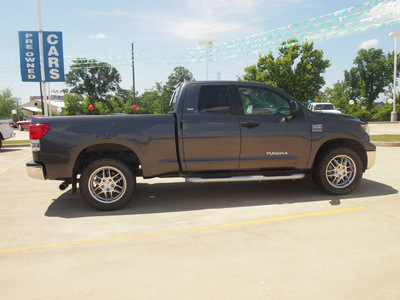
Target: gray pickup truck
[{"x": 216, "y": 132}]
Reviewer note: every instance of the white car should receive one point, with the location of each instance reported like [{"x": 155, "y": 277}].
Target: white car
[
  {"x": 324, "y": 107},
  {"x": 6, "y": 130}
]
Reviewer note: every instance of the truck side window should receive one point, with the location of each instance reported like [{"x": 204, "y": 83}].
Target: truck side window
[
  {"x": 214, "y": 99},
  {"x": 263, "y": 102}
]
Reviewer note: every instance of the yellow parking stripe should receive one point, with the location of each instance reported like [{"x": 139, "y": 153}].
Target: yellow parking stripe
[
  {"x": 135, "y": 236},
  {"x": 16, "y": 164}
]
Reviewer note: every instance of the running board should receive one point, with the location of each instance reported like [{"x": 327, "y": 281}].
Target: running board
[{"x": 245, "y": 178}]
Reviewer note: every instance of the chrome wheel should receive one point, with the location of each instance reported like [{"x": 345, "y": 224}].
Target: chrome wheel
[
  {"x": 107, "y": 184},
  {"x": 341, "y": 171}
]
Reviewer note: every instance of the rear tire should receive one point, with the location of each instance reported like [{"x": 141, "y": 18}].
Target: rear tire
[
  {"x": 338, "y": 171},
  {"x": 107, "y": 184}
]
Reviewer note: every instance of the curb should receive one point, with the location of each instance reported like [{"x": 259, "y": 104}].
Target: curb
[
  {"x": 386, "y": 144},
  {"x": 15, "y": 145}
]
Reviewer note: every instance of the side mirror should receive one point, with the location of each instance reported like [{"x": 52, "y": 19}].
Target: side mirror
[
  {"x": 294, "y": 112},
  {"x": 294, "y": 109}
]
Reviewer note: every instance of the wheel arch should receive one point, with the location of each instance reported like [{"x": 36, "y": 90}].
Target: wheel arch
[
  {"x": 111, "y": 150},
  {"x": 348, "y": 143}
]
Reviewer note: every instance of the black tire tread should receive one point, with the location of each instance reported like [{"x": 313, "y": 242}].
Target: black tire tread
[
  {"x": 319, "y": 177},
  {"x": 116, "y": 163}
]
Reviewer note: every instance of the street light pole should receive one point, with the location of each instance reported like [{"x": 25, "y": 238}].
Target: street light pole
[
  {"x": 393, "y": 116},
  {"x": 206, "y": 44},
  {"x": 44, "y": 108}
]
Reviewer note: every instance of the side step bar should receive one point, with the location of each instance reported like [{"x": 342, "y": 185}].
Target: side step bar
[{"x": 245, "y": 178}]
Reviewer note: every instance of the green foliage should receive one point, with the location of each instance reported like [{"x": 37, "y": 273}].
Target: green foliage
[
  {"x": 372, "y": 74},
  {"x": 7, "y": 103},
  {"x": 153, "y": 101},
  {"x": 73, "y": 104},
  {"x": 180, "y": 74},
  {"x": 297, "y": 70},
  {"x": 339, "y": 96},
  {"x": 92, "y": 79},
  {"x": 384, "y": 113},
  {"x": 88, "y": 78},
  {"x": 156, "y": 100}
]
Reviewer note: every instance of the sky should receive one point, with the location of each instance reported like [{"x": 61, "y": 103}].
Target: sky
[{"x": 166, "y": 34}]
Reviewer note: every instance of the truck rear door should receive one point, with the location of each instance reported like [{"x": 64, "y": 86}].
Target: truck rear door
[
  {"x": 270, "y": 139},
  {"x": 209, "y": 129}
]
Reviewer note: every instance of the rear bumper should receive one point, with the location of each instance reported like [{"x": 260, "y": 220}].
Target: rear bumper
[{"x": 35, "y": 170}]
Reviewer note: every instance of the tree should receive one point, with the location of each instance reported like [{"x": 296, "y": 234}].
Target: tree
[
  {"x": 92, "y": 79},
  {"x": 297, "y": 70},
  {"x": 154, "y": 101},
  {"x": 180, "y": 74},
  {"x": 7, "y": 103},
  {"x": 73, "y": 104},
  {"x": 372, "y": 74},
  {"x": 339, "y": 95}
]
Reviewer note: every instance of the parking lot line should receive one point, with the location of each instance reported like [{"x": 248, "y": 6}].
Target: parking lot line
[
  {"x": 185, "y": 230},
  {"x": 16, "y": 164}
]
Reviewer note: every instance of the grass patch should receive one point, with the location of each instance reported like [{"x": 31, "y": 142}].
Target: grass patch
[
  {"x": 14, "y": 142},
  {"x": 385, "y": 138}
]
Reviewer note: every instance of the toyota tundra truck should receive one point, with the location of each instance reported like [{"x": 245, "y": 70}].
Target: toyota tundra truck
[{"x": 215, "y": 132}]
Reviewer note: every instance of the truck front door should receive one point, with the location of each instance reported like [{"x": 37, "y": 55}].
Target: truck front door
[
  {"x": 270, "y": 138},
  {"x": 210, "y": 129}
]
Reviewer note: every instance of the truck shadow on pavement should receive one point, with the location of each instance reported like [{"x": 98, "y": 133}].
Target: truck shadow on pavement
[
  {"x": 178, "y": 197},
  {"x": 9, "y": 150}
]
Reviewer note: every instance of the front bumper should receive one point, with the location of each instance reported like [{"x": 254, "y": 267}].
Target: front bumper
[
  {"x": 36, "y": 170},
  {"x": 371, "y": 156}
]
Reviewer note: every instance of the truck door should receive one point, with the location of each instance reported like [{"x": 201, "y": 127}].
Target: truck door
[
  {"x": 270, "y": 138},
  {"x": 209, "y": 129}
]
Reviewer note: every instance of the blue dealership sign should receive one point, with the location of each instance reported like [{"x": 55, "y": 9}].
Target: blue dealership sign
[
  {"x": 53, "y": 56},
  {"x": 29, "y": 56}
]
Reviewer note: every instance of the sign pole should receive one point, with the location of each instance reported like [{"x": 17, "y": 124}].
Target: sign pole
[
  {"x": 49, "y": 92},
  {"x": 41, "y": 97},
  {"x": 42, "y": 58}
]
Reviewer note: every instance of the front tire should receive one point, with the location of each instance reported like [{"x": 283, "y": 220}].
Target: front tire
[
  {"x": 107, "y": 184},
  {"x": 338, "y": 171}
]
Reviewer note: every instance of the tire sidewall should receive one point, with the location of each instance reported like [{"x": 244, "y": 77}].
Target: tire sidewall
[
  {"x": 107, "y": 162},
  {"x": 319, "y": 172}
]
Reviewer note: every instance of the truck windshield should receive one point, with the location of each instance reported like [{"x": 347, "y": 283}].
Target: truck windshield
[{"x": 174, "y": 97}]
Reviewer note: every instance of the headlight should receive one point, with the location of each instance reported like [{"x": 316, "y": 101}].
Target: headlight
[{"x": 365, "y": 128}]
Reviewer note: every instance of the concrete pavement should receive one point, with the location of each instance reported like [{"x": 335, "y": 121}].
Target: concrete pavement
[{"x": 271, "y": 240}]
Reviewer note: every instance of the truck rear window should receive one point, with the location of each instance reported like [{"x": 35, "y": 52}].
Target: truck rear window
[{"x": 214, "y": 99}]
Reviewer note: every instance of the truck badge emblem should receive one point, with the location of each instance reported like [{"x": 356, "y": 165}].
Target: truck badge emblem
[
  {"x": 316, "y": 127},
  {"x": 280, "y": 153}
]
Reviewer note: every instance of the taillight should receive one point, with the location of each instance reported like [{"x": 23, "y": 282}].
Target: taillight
[{"x": 37, "y": 131}]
